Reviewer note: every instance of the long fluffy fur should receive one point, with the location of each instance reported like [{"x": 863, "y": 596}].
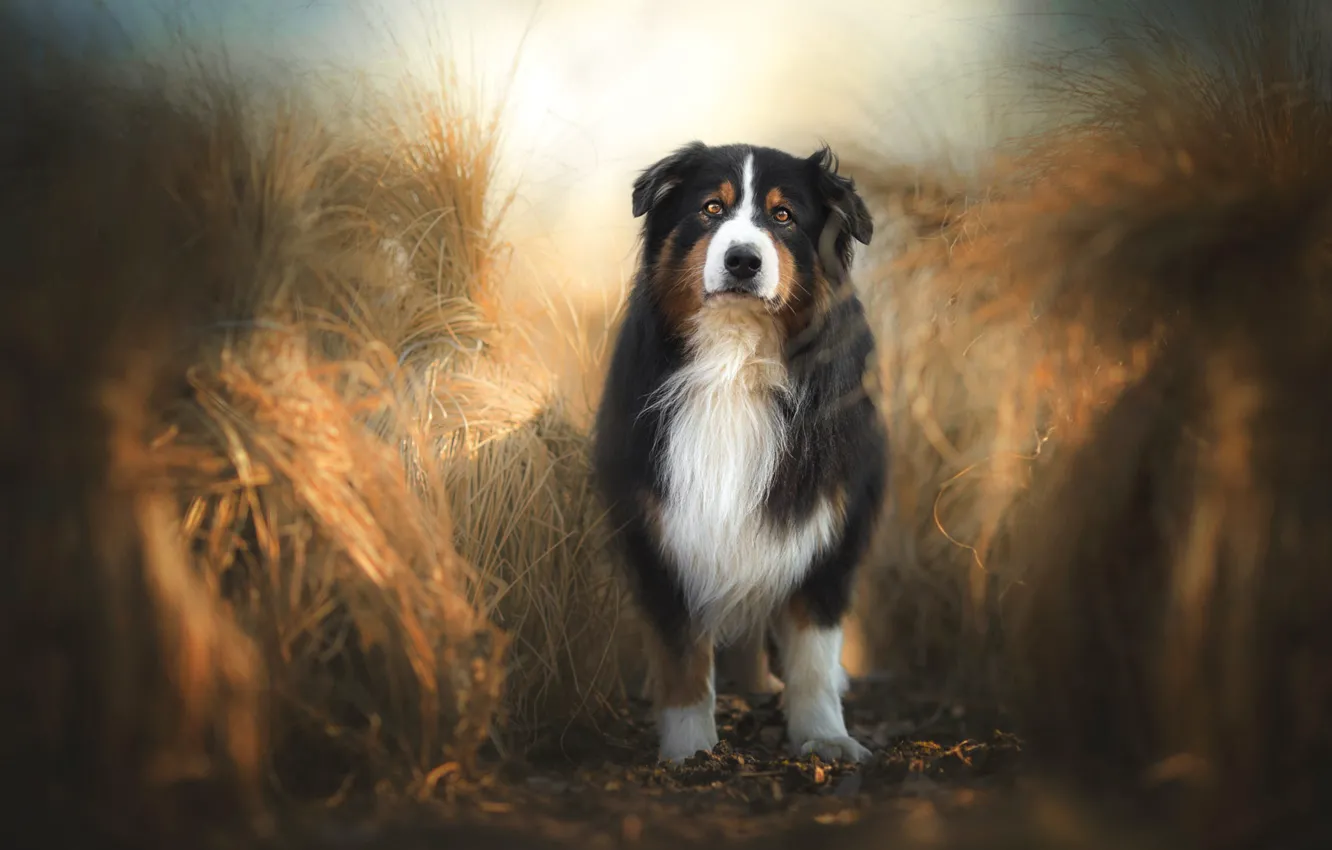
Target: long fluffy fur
[{"x": 740, "y": 455}]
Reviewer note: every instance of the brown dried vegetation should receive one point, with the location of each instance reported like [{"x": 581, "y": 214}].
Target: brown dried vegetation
[
  {"x": 1133, "y": 311},
  {"x": 251, "y": 360},
  {"x": 295, "y": 509}
]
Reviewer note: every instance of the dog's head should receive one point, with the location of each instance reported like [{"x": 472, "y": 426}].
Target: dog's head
[{"x": 743, "y": 222}]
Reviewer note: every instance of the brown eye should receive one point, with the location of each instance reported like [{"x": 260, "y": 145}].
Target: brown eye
[
  {"x": 713, "y": 208},
  {"x": 781, "y": 215}
]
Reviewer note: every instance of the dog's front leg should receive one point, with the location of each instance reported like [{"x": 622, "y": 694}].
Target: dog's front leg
[
  {"x": 684, "y": 696},
  {"x": 815, "y": 681}
]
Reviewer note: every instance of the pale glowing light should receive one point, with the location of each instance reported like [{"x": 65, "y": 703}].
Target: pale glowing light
[{"x": 604, "y": 87}]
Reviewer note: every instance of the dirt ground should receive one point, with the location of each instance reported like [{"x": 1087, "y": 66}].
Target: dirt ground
[{"x": 931, "y": 756}]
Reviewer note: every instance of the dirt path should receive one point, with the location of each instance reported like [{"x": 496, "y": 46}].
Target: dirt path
[{"x": 929, "y": 758}]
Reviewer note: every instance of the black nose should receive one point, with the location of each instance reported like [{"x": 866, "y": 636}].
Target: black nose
[{"x": 742, "y": 261}]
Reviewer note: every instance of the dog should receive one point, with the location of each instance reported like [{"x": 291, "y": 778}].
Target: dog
[{"x": 741, "y": 457}]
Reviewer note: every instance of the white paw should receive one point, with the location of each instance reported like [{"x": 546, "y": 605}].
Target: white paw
[
  {"x": 685, "y": 731},
  {"x": 838, "y": 748}
]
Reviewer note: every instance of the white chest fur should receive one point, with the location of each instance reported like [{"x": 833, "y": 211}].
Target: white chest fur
[{"x": 724, "y": 439}]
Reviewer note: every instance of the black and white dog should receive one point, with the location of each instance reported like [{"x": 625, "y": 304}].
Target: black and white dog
[{"x": 741, "y": 457}]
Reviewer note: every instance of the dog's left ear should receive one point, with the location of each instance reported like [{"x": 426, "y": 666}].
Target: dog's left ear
[
  {"x": 848, "y": 217},
  {"x": 657, "y": 181}
]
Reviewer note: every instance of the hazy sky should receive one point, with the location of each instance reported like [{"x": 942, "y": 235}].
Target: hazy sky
[{"x": 603, "y": 87}]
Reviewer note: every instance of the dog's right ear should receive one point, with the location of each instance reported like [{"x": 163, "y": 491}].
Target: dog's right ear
[{"x": 654, "y": 184}]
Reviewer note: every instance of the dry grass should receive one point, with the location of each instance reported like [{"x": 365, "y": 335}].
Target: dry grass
[
  {"x": 302, "y": 508},
  {"x": 1140, "y": 294},
  {"x": 279, "y": 353},
  {"x": 533, "y": 526},
  {"x": 918, "y": 588},
  {"x": 972, "y": 393},
  {"x": 994, "y": 352},
  {"x": 124, "y": 678},
  {"x": 1173, "y": 629},
  {"x": 322, "y": 517},
  {"x": 530, "y": 521}
]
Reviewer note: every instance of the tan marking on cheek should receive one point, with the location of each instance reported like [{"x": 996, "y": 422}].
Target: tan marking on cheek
[
  {"x": 697, "y": 257},
  {"x": 726, "y": 192},
  {"x": 663, "y": 256},
  {"x": 787, "y": 289},
  {"x": 820, "y": 298},
  {"x": 807, "y": 313},
  {"x": 793, "y": 300},
  {"x": 679, "y": 286},
  {"x": 679, "y": 679},
  {"x": 799, "y": 303}
]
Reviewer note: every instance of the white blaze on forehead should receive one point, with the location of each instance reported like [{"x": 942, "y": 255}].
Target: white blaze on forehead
[{"x": 741, "y": 228}]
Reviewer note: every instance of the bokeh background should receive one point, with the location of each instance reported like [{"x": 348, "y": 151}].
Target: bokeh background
[{"x": 345, "y": 278}]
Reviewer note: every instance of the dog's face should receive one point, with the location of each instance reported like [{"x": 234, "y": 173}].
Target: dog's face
[{"x": 752, "y": 223}]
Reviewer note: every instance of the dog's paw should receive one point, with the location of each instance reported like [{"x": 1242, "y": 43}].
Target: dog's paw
[
  {"x": 841, "y": 748},
  {"x": 685, "y": 731}
]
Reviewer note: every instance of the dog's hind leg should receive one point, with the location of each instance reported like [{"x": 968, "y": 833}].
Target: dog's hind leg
[{"x": 745, "y": 665}]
